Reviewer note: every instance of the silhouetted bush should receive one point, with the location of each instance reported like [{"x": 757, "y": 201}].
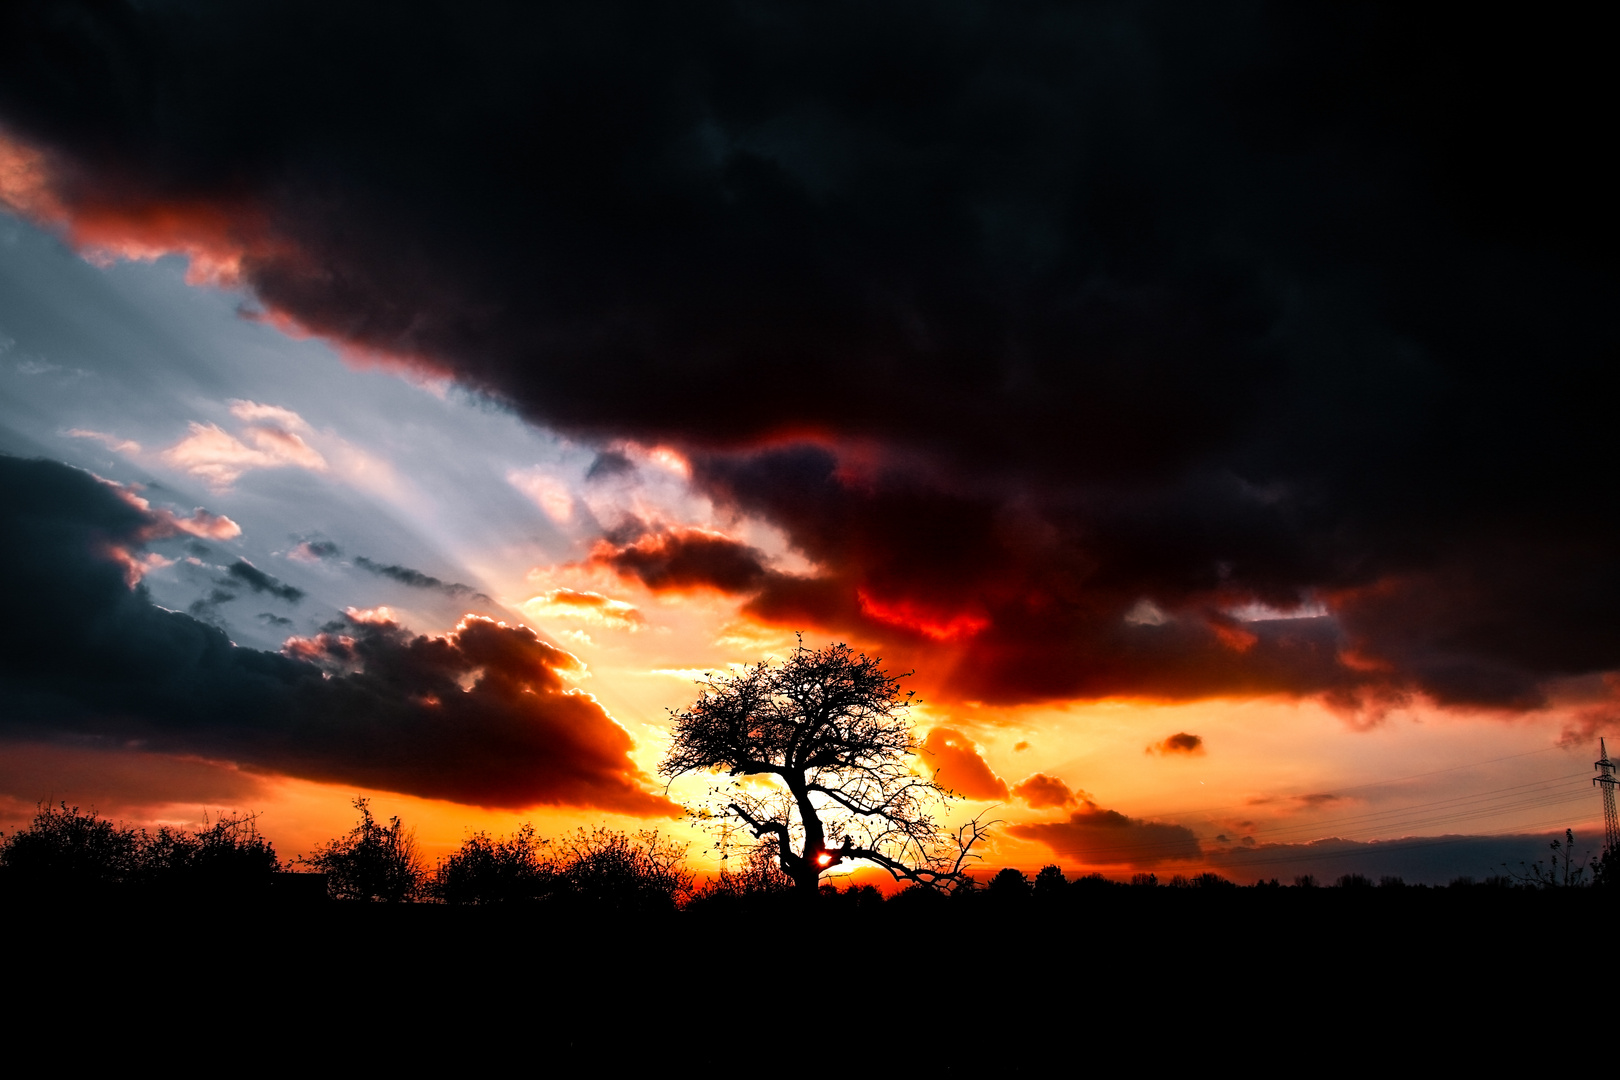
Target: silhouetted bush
[
  {"x": 602, "y": 868},
  {"x": 1095, "y": 883},
  {"x": 70, "y": 850},
  {"x": 229, "y": 855},
  {"x": 521, "y": 869},
  {"x": 759, "y": 875},
  {"x": 1353, "y": 881},
  {"x": 1606, "y": 869},
  {"x": 67, "y": 851},
  {"x": 373, "y": 862}
]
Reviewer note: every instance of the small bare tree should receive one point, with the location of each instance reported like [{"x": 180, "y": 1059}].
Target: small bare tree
[
  {"x": 827, "y": 733},
  {"x": 374, "y": 862}
]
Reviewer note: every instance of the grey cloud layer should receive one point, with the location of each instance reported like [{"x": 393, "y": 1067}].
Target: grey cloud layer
[{"x": 483, "y": 714}]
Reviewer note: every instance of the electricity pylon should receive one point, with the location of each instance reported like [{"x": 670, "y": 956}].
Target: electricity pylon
[{"x": 1607, "y": 781}]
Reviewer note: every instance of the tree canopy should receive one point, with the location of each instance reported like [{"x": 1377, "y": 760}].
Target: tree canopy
[{"x": 822, "y": 751}]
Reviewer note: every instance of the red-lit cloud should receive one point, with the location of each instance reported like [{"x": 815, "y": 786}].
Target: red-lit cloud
[{"x": 959, "y": 767}]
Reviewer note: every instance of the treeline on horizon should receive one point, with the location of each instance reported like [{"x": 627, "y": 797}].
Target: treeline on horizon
[{"x": 67, "y": 853}]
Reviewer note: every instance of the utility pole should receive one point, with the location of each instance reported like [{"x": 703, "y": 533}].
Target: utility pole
[{"x": 1607, "y": 780}]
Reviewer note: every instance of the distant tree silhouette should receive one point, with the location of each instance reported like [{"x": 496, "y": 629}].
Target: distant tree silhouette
[
  {"x": 828, "y": 727},
  {"x": 486, "y": 870},
  {"x": 1094, "y": 882},
  {"x": 1009, "y": 884},
  {"x": 373, "y": 862},
  {"x": 1050, "y": 882}
]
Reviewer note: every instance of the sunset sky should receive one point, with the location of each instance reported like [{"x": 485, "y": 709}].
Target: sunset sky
[{"x": 1208, "y": 406}]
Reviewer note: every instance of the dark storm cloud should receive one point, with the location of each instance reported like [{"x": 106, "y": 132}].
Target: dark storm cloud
[
  {"x": 1098, "y": 322},
  {"x": 206, "y": 607},
  {"x": 260, "y": 582},
  {"x": 682, "y": 559},
  {"x": 609, "y": 463},
  {"x": 1043, "y": 600},
  {"x": 484, "y": 714},
  {"x": 418, "y": 580}
]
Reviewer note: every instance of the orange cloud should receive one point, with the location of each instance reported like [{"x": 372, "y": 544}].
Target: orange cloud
[
  {"x": 1098, "y": 837},
  {"x": 589, "y": 606},
  {"x": 1041, "y": 791},
  {"x": 958, "y": 766},
  {"x": 1179, "y": 743}
]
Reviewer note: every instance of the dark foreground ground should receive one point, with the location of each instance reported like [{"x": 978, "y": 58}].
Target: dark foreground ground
[{"x": 1287, "y": 979}]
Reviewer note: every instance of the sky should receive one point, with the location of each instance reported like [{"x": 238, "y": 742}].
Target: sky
[{"x": 1205, "y": 406}]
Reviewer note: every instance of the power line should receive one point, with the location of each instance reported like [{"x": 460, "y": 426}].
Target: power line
[{"x": 1375, "y": 783}]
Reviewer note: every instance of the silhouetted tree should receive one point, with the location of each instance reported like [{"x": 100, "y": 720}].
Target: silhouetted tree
[
  {"x": 373, "y": 862},
  {"x": 1009, "y": 884},
  {"x": 829, "y": 728},
  {"x": 1050, "y": 882}
]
